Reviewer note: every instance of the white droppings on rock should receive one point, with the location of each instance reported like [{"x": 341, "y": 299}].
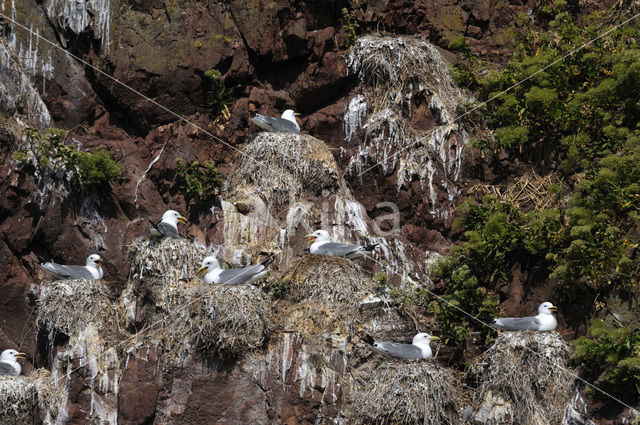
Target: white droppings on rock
[{"x": 79, "y": 16}]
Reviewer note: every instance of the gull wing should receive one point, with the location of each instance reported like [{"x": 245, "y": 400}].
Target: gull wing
[
  {"x": 168, "y": 230},
  {"x": 7, "y": 369},
  {"x": 239, "y": 275},
  {"x": 398, "y": 350},
  {"x": 338, "y": 249},
  {"x": 275, "y": 124},
  {"x": 67, "y": 272},
  {"x": 518, "y": 323}
]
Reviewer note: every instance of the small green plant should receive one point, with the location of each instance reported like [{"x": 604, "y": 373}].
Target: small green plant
[
  {"x": 217, "y": 94},
  {"x": 87, "y": 168},
  {"x": 279, "y": 290},
  {"x": 611, "y": 353},
  {"x": 201, "y": 181},
  {"x": 462, "y": 294},
  {"x": 380, "y": 279},
  {"x": 349, "y": 24}
]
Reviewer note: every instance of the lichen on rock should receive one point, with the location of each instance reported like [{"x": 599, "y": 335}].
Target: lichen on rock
[{"x": 524, "y": 379}]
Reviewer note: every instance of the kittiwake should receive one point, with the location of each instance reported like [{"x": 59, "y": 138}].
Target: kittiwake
[
  {"x": 322, "y": 245},
  {"x": 92, "y": 269},
  {"x": 286, "y": 124},
  {"x": 9, "y": 362},
  {"x": 544, "y": 321},
  {"x": 167, "y": 227},
  {"x": 212, "y": 273},
  {"x": 419, "y": 349}
]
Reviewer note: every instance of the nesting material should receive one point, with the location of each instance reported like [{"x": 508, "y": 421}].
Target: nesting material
[
  {"x": 406, "y": 393},
  {"x": 323, "y": 297},
  {"x": 18, "y": 397},
  {"x": 222, "y": 319},
  {"x": 403, "y": 74},
  {"x": 164, "y": 269},
  {"x": 289, "y": 166},
  {"x": 68, "y": 306},
  {"x": 525, "y": 379}
]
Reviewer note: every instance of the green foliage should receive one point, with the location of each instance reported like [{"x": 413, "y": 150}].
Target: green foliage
[
  {"x": 349, "y": 25},
  {"x": 217, "y": 94},
  {"x": 568, "y": 101},
  {"x": 86, "y": 168},
  {"x": 201, "y": 181},
  {"x": 459, "y": 44},
  {"x": 463, "y": 294},
  {"x": 279, "y": 290},
  {"x": 612, "y": 354},
  {"x": 380, "y": 278}
]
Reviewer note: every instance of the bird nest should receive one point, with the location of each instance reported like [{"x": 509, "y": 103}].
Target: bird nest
[
  {"x": 406, "y": 393},
  {"x": 526, "y": 374},
  {"x": 323, "y": 295},
  {"x": 289, "y": 165},
  {"x": 162, "y": 270},
  {"x": 18, "y": 400},
  {"x": 68, "y": 306},
  {"x": 228, "y": 320}
]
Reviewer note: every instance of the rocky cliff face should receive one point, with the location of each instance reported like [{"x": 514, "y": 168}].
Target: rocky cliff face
[{"x": 378, "y": 138}]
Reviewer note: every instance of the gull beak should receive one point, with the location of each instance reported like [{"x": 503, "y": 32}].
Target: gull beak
[
  {"x": 202, "y": 270},
  {"x": 434, "y": 338},
  {"x": 98, "y": 261},
  {"x": 553, "y": 308},
  {"x": 311, "y": 238},
  {"x": 297, "y": 115},
  {"x": 183, "y": 220},
  {"x": 21, "y": 355}
]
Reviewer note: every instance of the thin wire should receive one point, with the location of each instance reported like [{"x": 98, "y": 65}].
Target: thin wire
[
  {"x": 497, "y": 330},
  {"x": 261, "y": 164},
  {"x": 164, "y": 108},
  {"x": 395, "y": 154}
]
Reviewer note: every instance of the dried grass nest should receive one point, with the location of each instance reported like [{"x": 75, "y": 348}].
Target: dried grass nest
[
  {"x": 295, "y": 164},
  {"x": 189, "y": 313},
  {"x": 528, "y": 370},
  {"x": 18, "y": 400},
  {"x": 397, "y": 392},
  {"x": 67, "y": 306},
  {"x": 324, "y": 294}
]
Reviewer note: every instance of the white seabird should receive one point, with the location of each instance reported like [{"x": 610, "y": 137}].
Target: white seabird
[
  {"x": 167, "y": 227},
  {"x": 322, "y": 245},
  {"x": 544, "y": 321},
  {"x": 92, "y": 270},
  {"x": 212, "y": 273},
  {"x": 286, "y": 124},
  {"x": 9, "y": 362},
  {"x": 419, "y": 349}
]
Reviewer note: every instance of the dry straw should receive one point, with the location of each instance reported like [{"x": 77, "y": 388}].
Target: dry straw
[
  {"x": 217, "y": 319},
  {"x": 406, "y": 393},
  {"x": 68, "y": 306},
  {"x": 528, "y": 372},
  {"x": 290, "y": 165}
]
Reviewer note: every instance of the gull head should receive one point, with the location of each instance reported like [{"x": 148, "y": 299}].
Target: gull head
[
  {"x": 94, "y": 260},
  {"x": 11, "y": 356},
  {"x": 290, "y": 115},
  {"x": 424, "y": 338},
  {"x": 547, "y": 308},
  {"x": 207, "y": 264},
  {"x": 318, "y": 235},
  {"x": 171, "y": 216}
]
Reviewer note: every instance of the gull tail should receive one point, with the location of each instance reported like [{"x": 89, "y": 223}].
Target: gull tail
[
  {"x": 368, "y": 339},
  {"x": 267, "y": 261},
  {"x": 370, "y": 247}
]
